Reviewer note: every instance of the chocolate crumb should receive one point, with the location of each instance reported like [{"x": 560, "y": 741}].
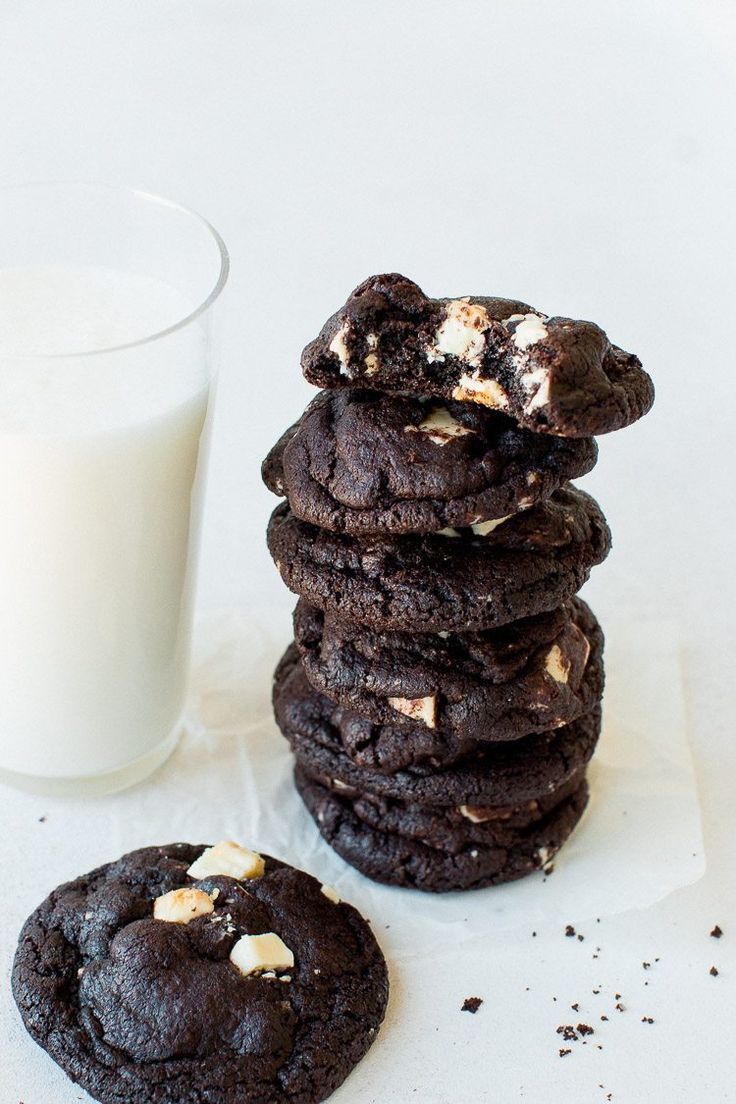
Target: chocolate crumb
[
  {"x": 647, "y": 1019},
  {"x": 717, "y": 932},
  {"x": 568, "y": 1032},
  {"x": 575, "y": 1007},
  {"x": 713, "y": 972},
  {"x": 564, "y": 1051},
  {"x": 42, "y": 820},
  {"x": 617, "y": 996},
  {"x": 580, "y": 938},
  {"x": 604, "y": 1017},
  {"x": 620, "y": 1007},
  {"x": 595, "y": 992},
  {"x": 585, "y": 1029},
  {"x": 534, "y": 935},
  {"x": 471, "y": 1004},
  {"x": 569, "y": 931}
]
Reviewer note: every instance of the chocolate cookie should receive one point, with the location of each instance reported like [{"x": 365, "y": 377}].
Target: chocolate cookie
[
  {"x": 432, "y": 849},
  {"x": 552, "y": 375},
  {"x": 497, "y": 684},
  {"x": 178, "y": 975},
  {"x": 453, "y": 580},
  {"x": 359, "y": 462},
  {"x": 503, "y": 773}
]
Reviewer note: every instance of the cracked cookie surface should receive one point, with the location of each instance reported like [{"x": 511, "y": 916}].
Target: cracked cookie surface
[
  {"x": 363, "y": 463},
  {"x": 497, "y": 684},
  {"x": 455, "y": 580},
  {"x": 551, "y": 374},
  {"x": 139, "y": 980}
]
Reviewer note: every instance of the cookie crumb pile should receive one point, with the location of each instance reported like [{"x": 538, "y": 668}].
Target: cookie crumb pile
[{"x": 442, "y": 693}]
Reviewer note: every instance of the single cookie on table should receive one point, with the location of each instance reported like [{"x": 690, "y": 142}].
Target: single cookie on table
[
  {"x": 497, "y": 684},
  {"x": 504, "y": 773},
  {"x": 359, "y": 462},
  {"x": 552, "y": 375},
  {"x": 438, "y": 850},
  {"x": 185, "y": 973},
  {"x": 446, "y": 581}
]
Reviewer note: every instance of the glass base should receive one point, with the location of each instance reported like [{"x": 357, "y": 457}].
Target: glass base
[{"x": 96, "y": 785}]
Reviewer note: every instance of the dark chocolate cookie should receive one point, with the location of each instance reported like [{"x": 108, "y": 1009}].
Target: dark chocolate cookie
[
  {"x": 239, "y": 981},
  {"x": 504, "y": 773},
  {"x": 359, "y": 462},
  {"x": 385, "y": 841},
  {"x": 553, "y": 375},
  {"x": 453, "y": 580},
  {"x": 497, "y": 684}
]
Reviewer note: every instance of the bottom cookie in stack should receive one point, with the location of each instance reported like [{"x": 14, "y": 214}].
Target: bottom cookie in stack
[{"x": 498, "y": 813}]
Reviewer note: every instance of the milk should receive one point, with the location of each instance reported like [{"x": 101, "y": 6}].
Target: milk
[{"x": 100, "y": 467}]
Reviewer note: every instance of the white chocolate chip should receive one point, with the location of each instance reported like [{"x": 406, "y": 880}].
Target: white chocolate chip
[
  {"x": 338, "y": 785},
  {"x": 371, "y": 340},
  {"x": 544, "y": 854},
  {"x": 255, "y": 954},
  {"x": 532, "y": 478},
  {"x": 371, "y": 364},
  {"x": 483, "y": 528},
  {"x": 461, "y": 333},
  {"x": 230, "y": 859},
  {"x": 338, "y": 346},
  {"x": 471, "y": 388},
  {"x": 443, "y": 634},
  {"x": 440, "y": 427},
  {"x": 331, "y": 894},
  {"x": 556, "y": 664},
  {"x": 179, "y": 906},
  {"x": 448, "y": 532},
  {"x": 419, "y": 709},
  {"x": 529, "y": 330}
]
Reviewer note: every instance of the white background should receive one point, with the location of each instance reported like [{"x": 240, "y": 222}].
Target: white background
[{"x": 580, "y": 156}]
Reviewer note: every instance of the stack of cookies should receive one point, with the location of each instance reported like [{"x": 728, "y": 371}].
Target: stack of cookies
[{"x": 442, "y": 694}]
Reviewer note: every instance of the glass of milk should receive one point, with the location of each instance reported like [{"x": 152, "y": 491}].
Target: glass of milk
[{"x": 106, "y": 376}]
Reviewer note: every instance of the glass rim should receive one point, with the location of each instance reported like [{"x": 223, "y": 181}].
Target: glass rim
[{"x": 148, "y": 197}]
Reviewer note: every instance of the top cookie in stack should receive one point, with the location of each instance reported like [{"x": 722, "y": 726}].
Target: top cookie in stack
[{"x": 442, "y": 695}]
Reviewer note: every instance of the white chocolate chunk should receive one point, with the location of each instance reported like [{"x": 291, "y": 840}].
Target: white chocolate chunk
[
  {"x": 448, "y": 532},
  {"x": 371, "y": 340},
  {"x": 179, "y": 906},
  {"x": 529, "y": 330},
  {"x": 371, "y": 364},
  {"x": 483, "y": 528},
  {"x": 586, "y": 643},
  {"x": 255, "y": 954},
  {"x": 461, "y": 333},
  {"x": 331, "y": 894},
  {"x": 419, "y": 709},
  {"x": 339, "y": 347},
  {"x": 471, "y": 388},
  {"x": 440, "y": 427},
  {"x": 542, "y": 395},
  {"x": 556, "y": 664},
  {"x": 230, "y": 859},
  {"x": 475, "y": 813}
]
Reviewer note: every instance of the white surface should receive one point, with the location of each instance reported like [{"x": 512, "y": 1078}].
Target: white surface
[
  {"x": 580, "y": 156},
  {"x": 98, "y": 462}
]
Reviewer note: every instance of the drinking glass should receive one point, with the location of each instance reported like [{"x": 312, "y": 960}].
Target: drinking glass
[{"x": 106, "y": 387}]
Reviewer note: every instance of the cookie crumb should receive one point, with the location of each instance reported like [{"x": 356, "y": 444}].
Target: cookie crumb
[
  {"x": 471, "y": 1004},
  {"x": 713, "y": 972},
  {"x": 564, "y": 1051},
  {"x": 646, "y": 965},
  {"x": 569, "y": 931},
  {"x": 42, "y": 820},
  {"x": 585, "y": 1029},
  {"x": 568, "y": 1032},
  {"x": 620, "y": 1007},
  {"x": 575, "y": 1007},
  {"x": 647, "y": 1019},
  {"x": 604, "y": 1018},
  {"x": 717, "y": 932}
]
